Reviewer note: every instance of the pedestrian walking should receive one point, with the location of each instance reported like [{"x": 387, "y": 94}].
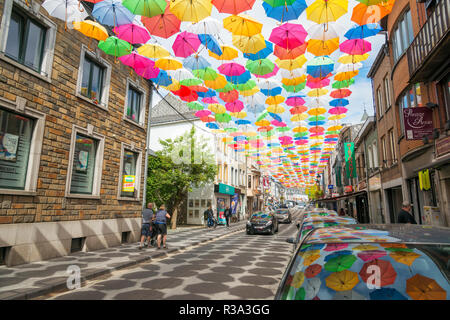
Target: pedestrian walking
[
  {"x": 405, "y": 216},
  {"x": 161, "y": 225},
  {"x": 147, "y": 215},
  {"x": 209, "y": 217},
  {"x": 227, "y": 215}
]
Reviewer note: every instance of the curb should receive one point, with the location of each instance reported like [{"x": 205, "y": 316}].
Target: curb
[{"x": 58, "y": 284}]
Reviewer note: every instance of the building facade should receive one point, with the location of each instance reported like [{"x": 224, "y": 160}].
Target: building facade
[{"x": 73, "y": 130}]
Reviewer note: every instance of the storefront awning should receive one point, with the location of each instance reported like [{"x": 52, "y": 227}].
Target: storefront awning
[
  {"x": 354, "y": 194},
  {"x": 224, "y": 189}
]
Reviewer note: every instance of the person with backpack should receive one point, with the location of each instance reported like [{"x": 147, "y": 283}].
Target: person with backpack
[
  {"x": 147, "y": 216},
  {"x": 209, "y": 216},
  {"x": 161, "y": 225}
]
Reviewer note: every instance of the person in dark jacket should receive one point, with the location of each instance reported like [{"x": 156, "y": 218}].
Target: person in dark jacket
[
  {"x": 227, "y": 215},
  {"x": 161, "y": 225},
  {"x": 147, "y": 215},
  {"x": 209, "y": 216},
  {"x": 404, "y": 216}
]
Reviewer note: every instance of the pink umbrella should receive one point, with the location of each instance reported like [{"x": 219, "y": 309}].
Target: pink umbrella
[
  {"x": 231, "y": 69},
  {"x": 318, "y": 84},
  {"x": 370, "y": 255},
  {"x": 136, "y": 61},
  {"x": 277, "y": 123},
  {"x": 295, "y": 101},
  {"x": 186, "y": 44},
  {"x": 148, "y": 72},
  {"x": 202, "y": 113},
  {"x": 337, "y": 110},
  {"x": 288, "y": 35},
  {"x": 269, "y": 75},
  {"x": 132, "y": 33},
  {"x": 335, "y": 246},
  {"x": 257, "y": 143},
  {"x": 210, "y": 100},
  {"x": 235, "y": 106},
  {"x": 355, "y": 46}
]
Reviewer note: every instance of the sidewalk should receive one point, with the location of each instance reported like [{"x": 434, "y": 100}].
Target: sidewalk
[{"x": 32, "y": 280}]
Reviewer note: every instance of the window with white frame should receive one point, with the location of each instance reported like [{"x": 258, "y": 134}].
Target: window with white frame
[
  {"x": 392, "y": 145},
  {"x": 380, "y": 103},
  {"x": 27, "y": 38},
  {"x": 387, "y": 92},
  {"x": 375, "y": 154},
  {"x": 85, "y": 166},
  {"x": 129, "y": 178},
  {"x": 402, "y": 35},
  {"x": 370, "y": 157},
  {"x": 94, "y": 77},
  {"x": 21, "y": 134},
  {"x": 135, "y": 102}
]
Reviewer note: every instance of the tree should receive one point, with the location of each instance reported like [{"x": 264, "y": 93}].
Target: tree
[{"x": 183, "y": 163}]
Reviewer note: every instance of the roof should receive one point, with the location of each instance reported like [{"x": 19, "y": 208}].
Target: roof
[
  {"x": 163, "y": 111},
  {"x": 379, "y": 233},
  {"x": 365, "y": 129},
  {"x": 376, "y": 64}
]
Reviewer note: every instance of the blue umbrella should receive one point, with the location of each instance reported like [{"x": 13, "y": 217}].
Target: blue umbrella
[
  {"x": 272, "y": 92},
  {"x": 241, "y": 79},
  {"x": 212, "y": 125},
  {"x": 275, "y": 116},
  {"x": 242, "y": 122},
  {"x": 207, "y": 94},
  {"x": 261, "y": 54},
  {"x": 273, "y": 144},
  {"x": 239, "y": 138},
  {"x": 316, "y": 246},
  {"x": 364, "y": 31},
  {"x": 336, "y": 254},
  {"x": 163, "y": 79},
  {"x": 316, "y": 123},
  {"x": 194, "y": 62},
  {"x": 339, "y": 102},
  {"x": 211, "y": 43},
  {"x": 112, "y": 13},
  {"x": 285, "y": 12},
  {"x": 386, "y": 294}
]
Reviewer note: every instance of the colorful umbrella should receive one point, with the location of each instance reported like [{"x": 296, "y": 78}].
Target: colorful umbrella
[
  {"x": 132, "y": 33},
  {"x": 66, "y": 10},
  {"x": 163, "y": 25},
  {"x": 235, "y": 106},
  {"x": 284, "y": 11},
  {"x": 323, "y": 47},
  {"x": 363, "y": 14},
  {"x": 324, "y": 11},
  {"x": 386, "y": 272},
  {"x": 242, "y": 25},
  {"x": 223, "y": 117},
  {"x": 364, "y": 31},
  {"x": 423, "y": 288},
  {"x": 231, "y": 69},
  {"x": 286, "y": 54},
  {"x": 208, "y": 25},
  {"x": 148, "y": 8},
  {"x": 91, "y": 29},
  {"x": 355, "y": 46},
  {"x": 195, "y": 62},
  {"x": 228, "y": 53},
  {"x": 210, "y": 43},
  {"x": 249, "y": 44},
  {"x": 191, "y": 10},
  {"x": 153, "y": 51},
  {"x": 263, "y": 53},
  {"x": 115, "y": 47},
  {"x": 404, "y": 257},
  {"x": 313, "y": 270},
  {"x": 260, "y": 67},
  {"x": 112, "y": 13},
  {"x": 185, "y": 44},
  {"x": 233, "y": 6},
  {"x": 135, "y": 60},
  {"x": 342, "y": 280},
  {"x": 386, "y": 294},
  {"x": 288, "y": 35}
]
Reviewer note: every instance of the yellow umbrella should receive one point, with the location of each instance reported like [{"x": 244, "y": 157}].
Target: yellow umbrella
[
  {"x": 291, "y": 64},
  {"x": 191, "y": 10},
  {"x": 404, "y": 257},
  {"x": 317, "y": 111},
  {"x": 293, "y": 81},
  {"x": 321, "y": 47},
  {"x": 227, "y": 139},
  {"x": 275, "y": 108},
  {"x": 335, "y": 128},
  {"x": 275, "y": 99},
  {"x": 217, "y": 83},
  {"x": 242, "y": 25},
  {"x": 247, "y": 93},
  {"x": 347, "y": 58},
  {"x": 249, "y": 44},
  {"x": 365, "y": 247},
  {"x": 337, "y": 116},
  {"x": 168, "y": 64},
  {"x": 345, "y": 75},
  {"x": 300, "y": 129},
  {"x": 310, "y": 259},
  {"x": 316, "y": 137},
  {"x": 317, "y": 92},
  {"x": 262, "y": 123},
  {"x": 174, "y": 86},
  {"x": 342, "y": 280},
  {"x": 217, "y": 108},
  {"x": 228, "y": 53},
  {"x": 239, "y": 115},
  {"x": 152, "y": 51},
  {"x": 91, "y": 29},
  {"x": 299, "y": 117},
  {"x": 298, "y": 280},
  {"x": 324, "y": 11},
  {"x": 420, "y": 287}
]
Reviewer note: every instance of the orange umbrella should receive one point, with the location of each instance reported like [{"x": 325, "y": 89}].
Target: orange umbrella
[
  {"x": 404, "y": 257},
  {"x": 387, "y": 272},
  {"x": 323, "y": 48},
  {"x": 422, "y": 288},
  {"x": 289, "y": 54},
  {"x": 342, "y": 280},
  {"x": 363, "y": 14}
]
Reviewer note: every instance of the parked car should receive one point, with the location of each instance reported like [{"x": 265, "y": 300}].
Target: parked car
[
  {"x": 313, "y": 222},
  {"x": 370, "y": 262},
  {"x": 283, "y": 215},
  {"x": 262, "y": 222}
]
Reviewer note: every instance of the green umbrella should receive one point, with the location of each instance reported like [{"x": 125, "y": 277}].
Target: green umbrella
[
  {"x": 300, "y": 134},
  {"x": 296, "y": 294},
  {"x": 231, "y": 129},
  {"x": 148, "y": 8},
  {"x": 262, "y": 115},
  {"x": 316, "y": 118},
  {"x": 283, "y": 129},
  {"x": 223, "y": 117},
  {"x": 267, "y": 133},
  {"x": 253, "y": 138},
  {"x": 260, "y": 67},
  {"x": 399, "y": 249},
  {"x": 228, "y": 87},
  {"x": 195, "y": 105},
  {"x": 250, "y": 84},
  {"x": 279, "y": 3},
  {"x": 191, "y": 82},
  {"x": 115, "y": 46},
  {"x": 296, "y": 88},
  {"x": 208, "y": 74},
  {"x": 343, "y": 84},
  {"x": 341, "y": 262},
  {"x": 332, "y": 132}
]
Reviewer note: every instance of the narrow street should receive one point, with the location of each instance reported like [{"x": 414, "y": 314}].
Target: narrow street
[{"x": 235, "y": 266}]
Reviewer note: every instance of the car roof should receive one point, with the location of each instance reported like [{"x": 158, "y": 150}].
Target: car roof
[{"x": 405, "y": 233}]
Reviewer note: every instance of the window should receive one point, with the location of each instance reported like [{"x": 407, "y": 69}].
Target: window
[
  {"x": 370, "y": 156},
  {"x": 232, "y": 175},
  {"x": 16, "y": 133},
  {"x": 85, "y": 167},
  {"x": 129, "y": 182},
  {"x": 249, "y": 178},
  {"x": 380, "y": 103},
  {"x": 92, "y": 82},
  {"x": 134, "y": 104},
  {"x": 411, "y": 98},
  {"x": 392, "y": 145},
  {"x": 387, "y": 92},
  {"x": 375, "y": 154},
  {"x": 402, "y": 35},
  {"x": 383, "y": 145}
]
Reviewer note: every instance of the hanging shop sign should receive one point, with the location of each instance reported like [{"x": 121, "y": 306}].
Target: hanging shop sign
[
  {"x": 348, "y": 189},
  {"x": 442, "y": 146},
  {"x": 234, "y": 203},
  {"x": 418, "y": 122},
  {"x": 432, "y": 216},
  {"x": 128, "y": 183},
  {"x": 330, "y": 186},
  {"x": 350, "y": 162},
  {"x": 424, "y": 180}
]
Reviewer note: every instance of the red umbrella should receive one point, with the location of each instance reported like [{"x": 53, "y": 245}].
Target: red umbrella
[
  {"x": 317, "y": 130},
  {"x": 186, "y": 94},
  {"x": 233, "y": 6},
  {"x": 340, "y": 93},
  {"x": 298, "y": 109},
  {"x": 229, "y": 96},
  {"x": 265, "y": 128},
  {"x": 208, "y": 119},
  {"x": 198, "y": 88},
  {"x": 336, "y": 246},
  {"x": 387, "y": 272},
  {"x": 288, "y": 35},
  {"x": 163, "y": 25},
  {"x": 289, "y": 54},
  {"x": 313, "y": 270}
]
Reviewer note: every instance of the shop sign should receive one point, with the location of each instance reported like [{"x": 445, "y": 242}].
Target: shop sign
[
  {"x": 418, "y": 122},
  {"x": 334, "y": 195},
  {"x": 442, "y": 146},
  {"x": 330, "y": 186},
  {"x": 225, "y": 189},
  {"x": 424, "y": 180},
  {"x": 128, "y": 183},
  {"x": 348, "y": 188},
  {"x": 432, "y": 216},
  {"x": 374, "y": 183},
  {"x": 362, "y": 185},
  {"x": 350, "y": 162}
]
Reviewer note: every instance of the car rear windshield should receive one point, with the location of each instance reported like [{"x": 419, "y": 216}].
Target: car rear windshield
[{"x": 368, "y": 271}]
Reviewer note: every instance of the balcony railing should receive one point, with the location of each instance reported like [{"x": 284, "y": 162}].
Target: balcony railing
[{"x": 435, "y": 29}]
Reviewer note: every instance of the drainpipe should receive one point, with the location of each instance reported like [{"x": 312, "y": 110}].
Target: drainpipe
[{"x": 147, "y": 144}]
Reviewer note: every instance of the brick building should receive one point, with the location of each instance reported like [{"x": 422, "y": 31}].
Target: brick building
[
  {"x": 73, "y": 130},
  {"x": 418, "y": 44}
]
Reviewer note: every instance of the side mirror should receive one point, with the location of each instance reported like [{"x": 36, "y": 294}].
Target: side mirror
[{"x": 291, "y": 240}]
